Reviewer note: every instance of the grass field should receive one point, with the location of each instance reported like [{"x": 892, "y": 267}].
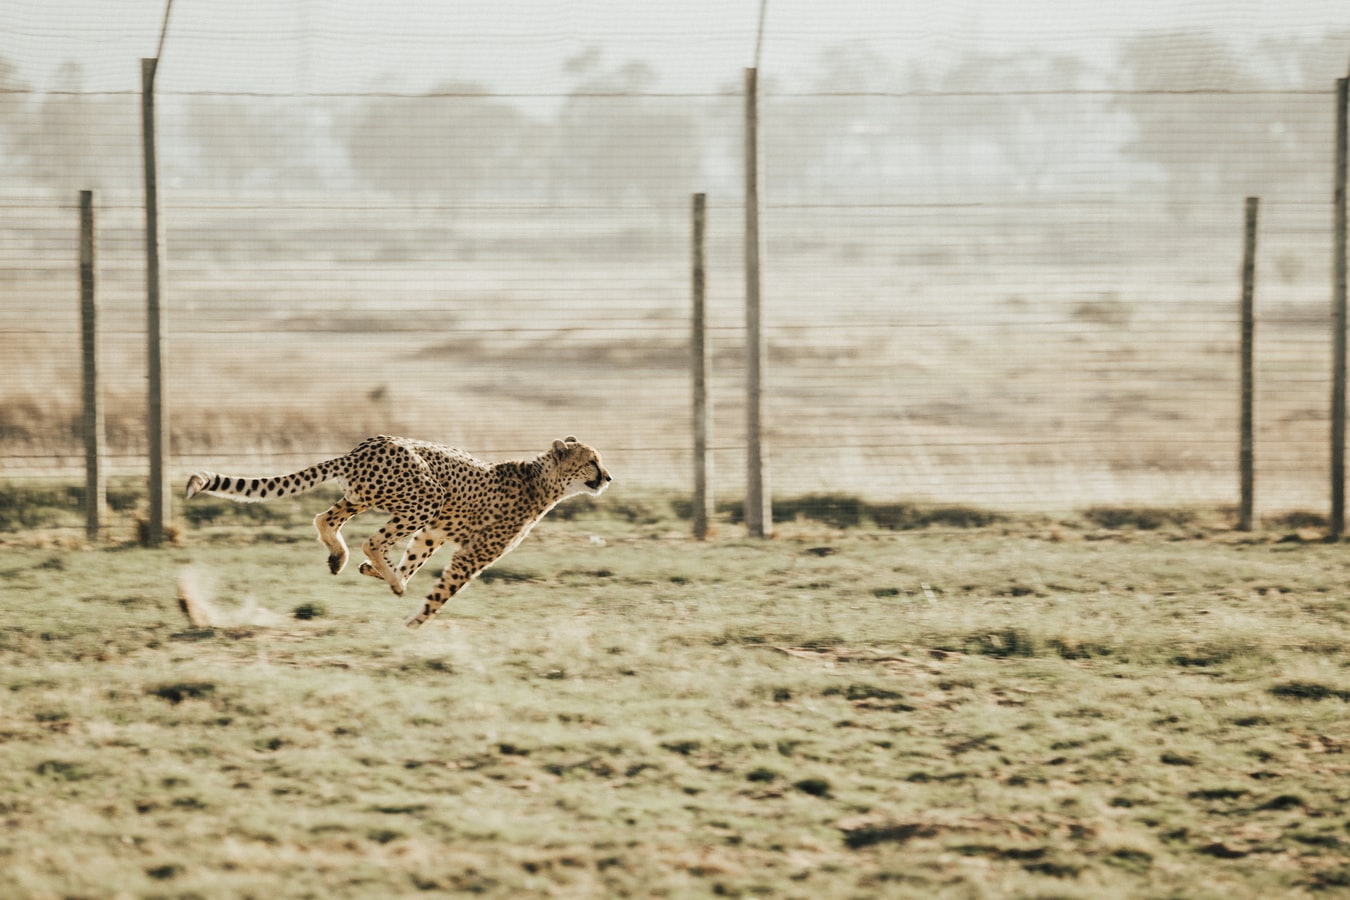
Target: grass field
[{"x": 1108, "y": 705}]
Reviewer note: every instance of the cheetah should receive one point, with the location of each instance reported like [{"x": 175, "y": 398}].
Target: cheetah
[{"x": 434, "y": 494}]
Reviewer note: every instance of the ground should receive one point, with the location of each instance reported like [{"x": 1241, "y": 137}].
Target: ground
[{"x": 1030, "y": 707}]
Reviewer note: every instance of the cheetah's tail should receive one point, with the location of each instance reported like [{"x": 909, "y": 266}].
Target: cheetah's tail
[{"x": 252, "y": 490}]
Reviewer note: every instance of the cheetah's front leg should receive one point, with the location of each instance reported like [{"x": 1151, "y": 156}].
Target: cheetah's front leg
[{"x": 466, "y": 564}]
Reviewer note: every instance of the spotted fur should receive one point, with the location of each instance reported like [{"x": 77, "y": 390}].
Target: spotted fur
[{"x": 434, "y": 495}]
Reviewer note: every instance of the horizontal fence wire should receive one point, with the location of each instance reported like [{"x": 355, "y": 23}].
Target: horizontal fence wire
[{"x": 1011, "y": 281}]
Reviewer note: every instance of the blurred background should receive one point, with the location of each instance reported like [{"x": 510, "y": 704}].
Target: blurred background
[{"x": 1002, "y": 241}]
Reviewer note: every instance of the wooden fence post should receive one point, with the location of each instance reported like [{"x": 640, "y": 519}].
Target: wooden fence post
[
  {"x": 92, "y": 420},
  {"x": 157, "y": 419},
  {"x": 698, "y": 361},
  {"x": 1246, "y": 443},
  {"x": 1338, "y": 300},
  {"x": 758, "y": 503}
]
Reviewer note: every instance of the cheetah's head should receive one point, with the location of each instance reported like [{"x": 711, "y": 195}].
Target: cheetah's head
[{"x": 579, "y": 467}]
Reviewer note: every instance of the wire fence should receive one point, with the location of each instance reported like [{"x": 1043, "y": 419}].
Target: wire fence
[{"x": 1013, "y": 284}]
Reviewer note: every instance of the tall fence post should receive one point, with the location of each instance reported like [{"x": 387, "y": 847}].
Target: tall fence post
[
  {"x": 157, "y": 419},
  {"x": 1246, "y": 443},
  {"x": 92, "y": 420},
  {"x": 1337, "y": 524},
  {"x": 758, "y": 503},
  {"x": 698, "y": 362}
]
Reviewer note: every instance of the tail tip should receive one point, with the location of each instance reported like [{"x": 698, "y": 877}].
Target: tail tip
[{"x": 195, "y": 484}]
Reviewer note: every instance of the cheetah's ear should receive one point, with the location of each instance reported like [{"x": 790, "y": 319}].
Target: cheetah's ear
[
  {"x": 559, "y": 446},
  {"x": 564, "y": 443},
  {"x": 570, "y": 439}
]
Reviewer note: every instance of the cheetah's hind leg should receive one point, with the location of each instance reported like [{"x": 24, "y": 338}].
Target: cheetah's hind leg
[
  {"x": 329, "y": 524},
  {"x": 419, "y": 550},
  {"x": 396, "y": 529}
]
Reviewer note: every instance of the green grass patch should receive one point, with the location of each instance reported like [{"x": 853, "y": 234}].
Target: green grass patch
[
  {"x": 1142, "y": 518},
  {"x": 849, "y": 511},
  {"x": 310, "y": 610},
  {"x": 43, "y": 503},
  {"x": 1295, "y": 520},
  {"x": 177, "y": 692},
  {"x": 1309, "y": 690}
]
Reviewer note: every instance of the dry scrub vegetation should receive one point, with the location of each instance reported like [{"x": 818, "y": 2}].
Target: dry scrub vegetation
[
  {"x": 992, "y": 355},
  {"x": 1107, "y": 706}
]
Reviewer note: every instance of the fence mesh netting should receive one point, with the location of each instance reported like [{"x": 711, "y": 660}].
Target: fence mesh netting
[{"x": 1000, "y": 268}]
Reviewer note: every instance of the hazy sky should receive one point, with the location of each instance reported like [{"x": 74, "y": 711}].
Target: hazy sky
[{"x": 320, "y": 46}]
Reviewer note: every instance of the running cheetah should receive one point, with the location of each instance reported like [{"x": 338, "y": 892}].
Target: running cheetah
[{"x": 433, "y": 494}]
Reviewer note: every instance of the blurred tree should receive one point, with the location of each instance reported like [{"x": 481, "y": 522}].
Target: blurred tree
[
  {"x": 613, "y": 140},
  {"x": 839, "y": 137},
  {"x": 868, "y": 129},
  {"x": 13, "y": 101},
  {"x": 455, "y": 141},
  {"x": 1021, "y": 122},
  {"x": 1210, "y": 123},
  {"x": 71, "y": 139},
  {"x": 236, "y": 143},
  {"x": 1306, "y": 63},
  {"x": 9, "y": 77}
]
